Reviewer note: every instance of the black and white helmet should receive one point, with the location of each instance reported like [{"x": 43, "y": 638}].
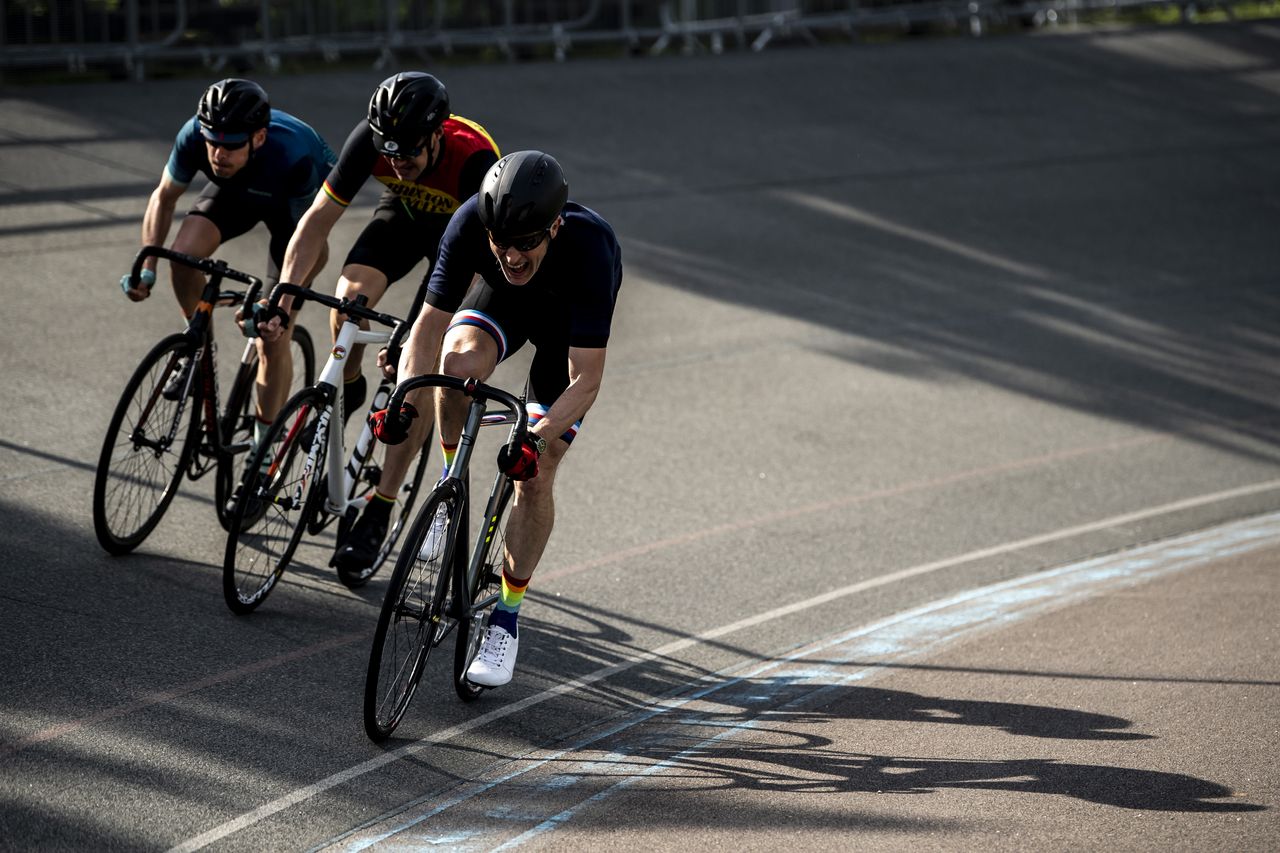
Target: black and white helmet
[{"x": 405, "y": 109}]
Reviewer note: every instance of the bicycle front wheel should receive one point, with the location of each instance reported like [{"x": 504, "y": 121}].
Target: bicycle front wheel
[
  {"x": 414, "y": 617},
  {"x": 149, "y": 444},
  {"x": 237, "y": 426},
  {"x": 277, "y": 493}
]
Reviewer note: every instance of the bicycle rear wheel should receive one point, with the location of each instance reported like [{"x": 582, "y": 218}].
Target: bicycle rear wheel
[
  {"x": 486, "y": 586},
  {"x": 368, "y": 478},
  {"x": 238, "y": 418},
  {"x": 277, "y": 494},
  {"x": 414, "y": 617},
  {"x": 148, "y": 445}
]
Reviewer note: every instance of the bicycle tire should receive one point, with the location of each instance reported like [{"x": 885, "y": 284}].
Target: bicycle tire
[
  {"x": 487, "y": 582},
  {"x": 271, "y": 514},
  {"x": 367, "y": 480},
  {"x": 236, "y": 427},
  {"x": 413, "y": 618},
  {"x": 132, "y": 487}
]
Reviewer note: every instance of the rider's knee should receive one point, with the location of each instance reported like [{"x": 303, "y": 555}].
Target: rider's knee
[
  {"x": 465, "y": 362},
  {"x": 279, "y": 348},
  {"x": 197, "y": 236}
]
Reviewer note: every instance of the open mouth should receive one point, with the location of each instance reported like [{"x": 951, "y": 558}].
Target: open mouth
[{"x": 517, "y": 270}]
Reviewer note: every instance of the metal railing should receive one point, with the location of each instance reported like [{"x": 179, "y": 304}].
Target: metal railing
[{"x": 128, "y": 34}]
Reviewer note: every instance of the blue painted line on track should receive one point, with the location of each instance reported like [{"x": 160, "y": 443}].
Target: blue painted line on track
[
  {"x": 911, "y": 634},
  {"x": 921, "y": 631}
]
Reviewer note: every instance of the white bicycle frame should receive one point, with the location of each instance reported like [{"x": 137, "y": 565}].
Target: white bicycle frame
[{"x": 342, "y": 472}]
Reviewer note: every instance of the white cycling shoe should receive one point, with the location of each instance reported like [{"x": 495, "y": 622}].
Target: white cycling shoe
[
  {"x": 496, "y": 661},
  {"x": 433, "y": 543}
]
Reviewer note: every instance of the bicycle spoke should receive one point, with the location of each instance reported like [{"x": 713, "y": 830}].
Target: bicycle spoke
[
  {"x": 273, "y": 506},
  {"x": 147, "y": 448},
  {"x": 484, "y": 590},
  {"x": 369, "y": 477},
  {"x": 413, "y": 619}
]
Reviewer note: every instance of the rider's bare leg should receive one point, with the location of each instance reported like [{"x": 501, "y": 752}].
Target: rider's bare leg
[
  {"x": 275, "y": 360},
  {"x": 197, "y": 236}
]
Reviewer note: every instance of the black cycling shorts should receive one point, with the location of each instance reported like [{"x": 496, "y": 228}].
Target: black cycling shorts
[
  {"x": 234, "y": 213},
  {"x": 396, "y": 239},
  {"x": 514, "y": 316}
]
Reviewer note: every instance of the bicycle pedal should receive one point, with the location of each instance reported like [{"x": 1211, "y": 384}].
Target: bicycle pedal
[{"x": 202, "y": 462}]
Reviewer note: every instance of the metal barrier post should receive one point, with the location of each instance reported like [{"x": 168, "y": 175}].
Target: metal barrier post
[{"x": 133, "y": 62}]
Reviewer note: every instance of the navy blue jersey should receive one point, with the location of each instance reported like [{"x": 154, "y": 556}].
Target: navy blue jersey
[
  {"x": 579, "y": 277},
  {"x": 288, "y": 169}
]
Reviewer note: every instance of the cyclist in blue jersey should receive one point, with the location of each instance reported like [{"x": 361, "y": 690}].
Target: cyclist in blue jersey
[
  {"x": 546, "y": 271},
  {"x": 263, "y": 165}
]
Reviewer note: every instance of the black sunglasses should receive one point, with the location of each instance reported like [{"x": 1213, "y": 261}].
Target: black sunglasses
[
  {"x": 404, "y": 153},
  {"x": 229, "y": 146},
  {"x": 523, "y": 244}
]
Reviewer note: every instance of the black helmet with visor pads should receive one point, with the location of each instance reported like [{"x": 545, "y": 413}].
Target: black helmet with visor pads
[
  {"x": 521, "y": 196},
  {"x": 232, "y": 109}
]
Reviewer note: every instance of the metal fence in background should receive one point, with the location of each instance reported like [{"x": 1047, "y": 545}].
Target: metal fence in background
[{"x": 127, "y": 35}]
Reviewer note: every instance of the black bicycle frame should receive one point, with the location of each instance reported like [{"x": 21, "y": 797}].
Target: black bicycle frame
[
  {"x": 465, "y": 563},
  {"x": 199, "y": 333}
]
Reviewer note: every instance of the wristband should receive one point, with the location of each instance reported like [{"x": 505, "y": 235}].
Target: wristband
[{"x": 146, "y": 278}]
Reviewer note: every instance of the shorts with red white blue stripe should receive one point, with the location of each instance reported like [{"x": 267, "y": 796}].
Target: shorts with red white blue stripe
[{"x": 549, "y": 371}]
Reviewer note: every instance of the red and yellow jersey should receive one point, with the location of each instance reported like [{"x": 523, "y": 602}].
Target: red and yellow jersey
[{"x": 467, "y": 154}]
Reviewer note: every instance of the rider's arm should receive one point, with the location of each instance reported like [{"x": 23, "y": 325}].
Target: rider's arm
[
  {"x": 308, "y": 242},
  {"x": 353, "y": 168},
  {"x": 586, "y": 371},
  {"x": 159, "y": 216},
  {"x": 421, "y": 352}
]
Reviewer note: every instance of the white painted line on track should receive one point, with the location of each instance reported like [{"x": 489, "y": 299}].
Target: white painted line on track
[
  {"x": 911, "y": 634},
  {"x": 163, "y": 696},
  {"x": 305, "y": 793}
]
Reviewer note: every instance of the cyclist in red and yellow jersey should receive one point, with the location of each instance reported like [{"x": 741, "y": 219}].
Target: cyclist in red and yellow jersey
[{"x": 430, "y": 162}]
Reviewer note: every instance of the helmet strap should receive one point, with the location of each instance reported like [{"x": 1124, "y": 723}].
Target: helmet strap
[
  {"x": 433, "y": 160},
  {"x": 252, "y": 147}
]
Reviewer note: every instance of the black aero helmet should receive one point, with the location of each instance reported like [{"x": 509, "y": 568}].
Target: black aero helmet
[
  {"x": 232, "y": 109},
  {"x": 522, "y": 194},
  {"x": 405, "y": 109}
]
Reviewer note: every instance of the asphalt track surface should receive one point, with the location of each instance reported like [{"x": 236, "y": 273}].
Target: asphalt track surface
[{"x": 929, "y": 503}]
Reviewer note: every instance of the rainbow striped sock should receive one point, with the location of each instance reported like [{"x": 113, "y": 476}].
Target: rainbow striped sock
[
  {"x": 508, "y": 607},
  {"x": 450, "y": 451}
]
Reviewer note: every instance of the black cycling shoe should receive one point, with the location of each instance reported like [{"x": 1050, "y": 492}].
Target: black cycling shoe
[
  {"x": 177, "y": 380},
  {"x": 257, "y": 507},
  {"x": 361, "y": 547}
]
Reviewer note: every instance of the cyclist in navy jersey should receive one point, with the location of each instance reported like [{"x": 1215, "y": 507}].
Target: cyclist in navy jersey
[
  {"x": 263, "y": 165},
  {"x": 549, "y": 272},
  {"x": 430, "y": 162}
]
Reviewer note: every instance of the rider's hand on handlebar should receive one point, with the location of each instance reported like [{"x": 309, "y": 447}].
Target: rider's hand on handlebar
[
  {"x": 270, "y": 325},
  {"x": 388, "y": 368},
  {"x": 392, "y": 430},
  {"x": 521, "y": 465},
  {"x": 146, "y": 279}
]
